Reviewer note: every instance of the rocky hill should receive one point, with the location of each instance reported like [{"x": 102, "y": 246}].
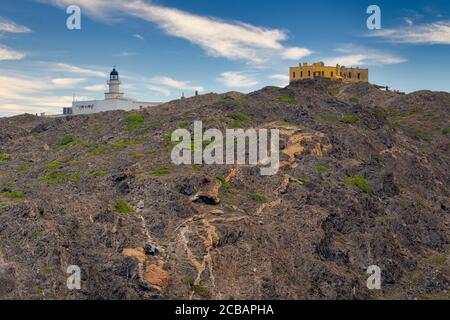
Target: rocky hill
[{"x": 364, "y": 180}]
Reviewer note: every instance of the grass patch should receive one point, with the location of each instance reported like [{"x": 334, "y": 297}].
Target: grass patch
[
  {"x": 323, "y": 168},
  {"x": 183, "y": 124},
  {"x": 13, "y": 194},
  {"x": 124, "y": 143},
  {"x": 359, "y": 182},
  {"x": 350, "y": 119},
  {"x": 239, "y": 116},
  {"x": 67, "y": 141},
  {"x": 378, "y": 112},
  {"x": 446, "y": 130},
  {"x": 329, "y": 117},
  {"x": 188, "y": 280},
  {"x": 54, "y": 164},
  {"x": 56, "y": 177},
  {"x": 438, "y": 260},
  {"x": 121, "y": 206},
  {"x": 288, "y": 99},
  {"x": 159, "y": 171},
  {"x": 225, "y": 184},
  {"x": 24, "y": 168},
  {"x": 134, "y": 121},
  {"x": 96, "y": 152},
  {"x": 304, "y": 180},
  {"x": 39, "y": 234},
  {"x": 259, "y": 197},
  {"x": 334, "y": 91},
  {"x": 4, "y": 157},
  {"x": 201, "y": 291}
]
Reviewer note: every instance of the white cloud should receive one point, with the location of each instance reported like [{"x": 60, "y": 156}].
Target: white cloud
[
  {"x": 78, "y": 70},
  {"x": 236, "y": 80},
  {"x": 432, "y": 33},
  {"x": 10, "y": 54},
  {"x": 177, "y": 84},
  {"x": 219, "y": 38},
  {"x": 296, "y": 53},
  {"x": 66, "y": 82},
  {"x": 138, "y": 36},
  {"x": 160, "y": 90},
  {"x": 124, "y": 54},
  {"x": 10, "y": 26},
  {"x": 358, "y": 56},
  {"x": 280, "y": 77},
  {"x": 95, "y": 88}
]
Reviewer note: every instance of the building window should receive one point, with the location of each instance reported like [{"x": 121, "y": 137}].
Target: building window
[
  {"x": 323, "y": 74},
  {"x": 349, "y": 75},
  {"x": 309, "y": 73},
  {"x": 359, "y": 76},
  {"x": 301, "y": 74},
  {"x": 331, "y": 74},
  {"x": 293, "y": 75}
]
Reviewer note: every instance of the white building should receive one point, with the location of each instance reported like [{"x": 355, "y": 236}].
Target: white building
[{"x": 114, "y": 100}]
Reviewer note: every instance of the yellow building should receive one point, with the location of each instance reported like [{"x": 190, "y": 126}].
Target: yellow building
[{"x": 320, "y": 70}]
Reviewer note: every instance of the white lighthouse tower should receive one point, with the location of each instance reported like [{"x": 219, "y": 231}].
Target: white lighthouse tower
[
  {"x": 114, "y": 86},
  {"x": 114, "y": 100}
]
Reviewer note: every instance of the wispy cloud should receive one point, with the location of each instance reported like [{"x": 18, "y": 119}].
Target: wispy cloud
[
  {"x": 7, "y": 25},
  {"x": 431, "y": 33},
  {"x": 280, "y": 77},
  {"x": 10, "y": 54},
  {"x": 236, "y": 80},
  {"x": 161, "y": 90},
  {"x": 177, "y": 84},
  {"x": 95, "y": 88},
  {"x": 138, "y": 36},
  {"x": 79, "y": 70},
  {"x": 124, "y": 54},
  {"x": 219, "y": 38},
  {"x": 357, "y": 56}
]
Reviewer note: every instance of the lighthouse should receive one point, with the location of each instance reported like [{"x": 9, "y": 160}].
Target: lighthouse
[
  {"x": 114, "y": 86},
  {"x": 114, "y": 100}
]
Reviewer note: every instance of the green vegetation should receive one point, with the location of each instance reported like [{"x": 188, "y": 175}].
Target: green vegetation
[
  {"x": 67, "y": 141},
  {"x": 124, "y": 143},
  {"x": 438, "y": 260},
  {"x": 329, "y": 117},
  {"x": 334, "y": 91},
  {"x": 242, "y": 102},
  {"x": 259, "y": 197},
  {"x": 121, "y": 206},
  {"x": 188, "y": 280},
  {"x": 4, "y": 157},
  {"x": 159, "y": 171},
  {"x": 24, "y": 168},
  {"x": 354, "y": 100},
  {"x": 304, "y": 180},
  {"x": 225, "y": 184},
  {"x": 378, "y": 112},
  {"x": 323, "y": 168},
  {"x": 239, "y": 116},
  {"x": 96, "y": 151},
  {"x": 183, "y": 124},
  {"x": 59, "y": 177},
  {"x": 13, "y": 194},
  {"x": 134, "y": 121},
  {"x": 350, "y": 119},
  {"x": 359, "y": 182},
  {"x": 288, "y": 99},
  {"x": 39, "y": 234},
  {"x": 446, "y": 131},
  {"x": 418, "y": 133},
  {"x": 54, "y": 164},
  {"x": 201, "y": 291}
]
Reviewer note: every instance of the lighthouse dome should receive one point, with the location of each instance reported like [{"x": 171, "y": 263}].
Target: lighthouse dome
[{"x": 114, "y": 75}]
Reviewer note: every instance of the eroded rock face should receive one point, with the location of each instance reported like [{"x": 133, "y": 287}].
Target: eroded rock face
[{"x": 363, "y": 180}]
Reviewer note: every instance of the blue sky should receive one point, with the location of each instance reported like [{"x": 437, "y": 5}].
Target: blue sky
[{"x": 165, "y": 47}]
